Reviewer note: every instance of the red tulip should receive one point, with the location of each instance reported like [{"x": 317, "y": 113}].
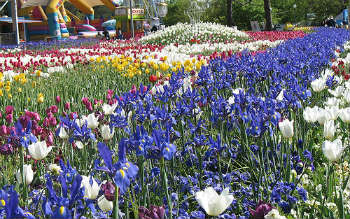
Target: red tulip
[{"x": 153, "y": 78}]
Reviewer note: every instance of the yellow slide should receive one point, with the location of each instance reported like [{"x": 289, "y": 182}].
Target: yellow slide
[
  {"x": 83, "y": 7},
  {"x": 109, "y": 4}
]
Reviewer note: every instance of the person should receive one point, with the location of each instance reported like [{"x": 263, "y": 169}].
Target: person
[
  {"x": 146, "y": 27},
  {"x": 120, "y": 34},
  {"x": 154, "y": 28},
  {"x": 106, "y": 33},
  {"x": 331, "y": 22}
]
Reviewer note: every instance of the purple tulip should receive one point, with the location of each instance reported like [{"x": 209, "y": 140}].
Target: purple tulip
[
  {"x": 154, "y": 212},
  {"x": 261, "y": 210},
  {"x": 108, "y": 190},
  {"x": 6, "y": 149}
]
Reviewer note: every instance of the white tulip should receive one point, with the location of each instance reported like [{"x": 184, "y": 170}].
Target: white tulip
[
  {"x": 212, "y": 203},
  {"x": 337, "y": 92},
  {"x": 332, "y": 150},
  {"x": 274, "y": 214},
  {"x": 344, "y": 115},
  {"x": 309, "y": 114},
  {"x": 333, "y": 112},
  {"x": 106, "y": 132},
  {"x": 63, "y": 134},
  {"x": 39, "y": 150},
  {"x": 346, "y": 95},
  {"x": 108, "y": 109},
  {"x": 79, "y": 144},
  {"x": 332, "y": 101},
  {"x": 280, "y": 95},
  {"x": 323, "y": 116},
  {"x": 286, "y": 128},
  {"x": 91, "y": 191},
  {"x": 92, "y": 121},
  {"x": 55, "y": 169},
  {"x": 329, "y": 129},
  {"x": 104, "y": 204},
  {"x": 28, "y": 174},
  {"x": 318, "y": 85}
]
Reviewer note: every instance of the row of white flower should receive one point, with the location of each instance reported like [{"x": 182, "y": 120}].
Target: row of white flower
[{"x": 198, "y": 31}]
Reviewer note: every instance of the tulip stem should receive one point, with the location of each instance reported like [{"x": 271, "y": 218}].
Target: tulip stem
[
  {"x": 165, "y": 185},
  {"x": 22, "y": 175},
  {"x": 143, "y": 187},
  {"x": 116, "y": 204}
]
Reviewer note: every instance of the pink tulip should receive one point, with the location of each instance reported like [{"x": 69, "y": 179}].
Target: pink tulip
[
  {"x": 58, "y": 99},
  {"x": 9, "y": 118},
  {"x": 3, "y": 130},
  {"x": 54, "y": 109},
  {"x": 9, "y": 109},
  {"x": 67, "y": 106}
]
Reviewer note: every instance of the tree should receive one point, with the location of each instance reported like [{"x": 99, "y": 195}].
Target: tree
[
  {"x": 229, "y": 13},
  {"x": 268, "y": 18}
]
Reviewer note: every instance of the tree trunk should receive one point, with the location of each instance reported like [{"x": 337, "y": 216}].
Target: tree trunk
[
  {"x": 268, "y": 18},
  {"x": 229, "y": 13}
]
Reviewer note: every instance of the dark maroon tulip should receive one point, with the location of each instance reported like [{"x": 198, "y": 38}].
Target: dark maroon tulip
[
  {"x": 261, "y": 210},
  {"x": 6, "y": 149},
  {"x": 154, "y": 212},
  {"x": 108, "y": 191}
]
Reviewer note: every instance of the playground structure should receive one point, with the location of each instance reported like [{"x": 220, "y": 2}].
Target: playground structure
[
  {"x": 54, "y": 21},
  {"x": 57, "y": 22}
]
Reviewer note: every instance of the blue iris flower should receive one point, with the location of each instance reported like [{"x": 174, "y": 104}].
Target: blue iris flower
[
  {"x": 9, "y": 205},
  {"x": 82, "y": 133},
  {"x": 63, "y": 205},
  {"x": 163, "y": 146},
  {"x": 122, "y": 171},
  {"x": 141, "y": 141},
  {"x": 24, "y": 135}
]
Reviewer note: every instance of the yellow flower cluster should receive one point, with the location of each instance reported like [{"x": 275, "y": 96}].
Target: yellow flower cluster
[
  {"x": 130, "y": 67},
  {"x": 305, "y": 29},
  {"x": 6, "y": 85}
]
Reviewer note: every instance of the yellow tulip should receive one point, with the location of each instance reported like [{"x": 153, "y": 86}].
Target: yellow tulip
[
  {"x": 147, "y": 71},
  {"x": 19, "y": 90},
  {"x": 9, "y": 96},
  {"x": 1, "y": 93},
  {"x": 7, "y": 88},
  {"x": 40, "y": 98},
  {"x": 33, "y": 84}
]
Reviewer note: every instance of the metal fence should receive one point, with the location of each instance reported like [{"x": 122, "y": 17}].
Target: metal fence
[{"x": 7, "y": 38}]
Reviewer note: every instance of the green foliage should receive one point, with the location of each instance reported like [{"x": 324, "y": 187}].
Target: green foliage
[
  {"x": 103, "y": 11},
  {"x": 176, "y": 12},
  {"x": 244, "y": 11}
]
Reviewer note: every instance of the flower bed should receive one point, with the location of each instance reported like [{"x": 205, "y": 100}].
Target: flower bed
[
  {"x": 196, "y": 33},
  {"x": 167, "y": 145}
]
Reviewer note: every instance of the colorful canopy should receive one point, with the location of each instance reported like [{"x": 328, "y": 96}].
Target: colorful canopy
[{"x": 20, "y": 20}]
